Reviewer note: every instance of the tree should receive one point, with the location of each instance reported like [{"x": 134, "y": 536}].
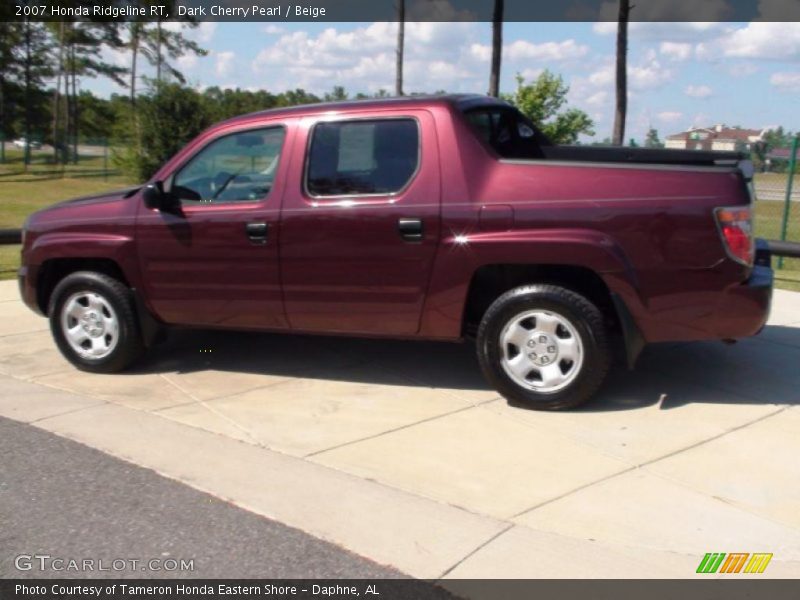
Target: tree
[
  {"x": 652, "y": 140},
  {"x": 544, "y": 102},
  {"x": 622, "y": 72},
  {"x": 35, "y": 70},
  {"x": 497, "y": 48},
  {"x": 170, "y": 116},
  {"x": 10, "y": 34},
  {"x": 165, "y": 45},
  {"x": 337, "y": 94},
  {"x": 401, "y": 34},
  {"x": 84, "y": 42}
]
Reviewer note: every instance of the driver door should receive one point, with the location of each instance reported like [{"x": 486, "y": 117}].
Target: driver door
[{"x": 214, "y": 260}]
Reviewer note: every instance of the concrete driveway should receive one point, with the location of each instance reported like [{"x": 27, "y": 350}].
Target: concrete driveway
[{"x": 399, "y": 452}]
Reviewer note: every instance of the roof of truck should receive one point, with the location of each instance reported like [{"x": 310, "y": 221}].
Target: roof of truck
[{"x": 462, "y": 101}]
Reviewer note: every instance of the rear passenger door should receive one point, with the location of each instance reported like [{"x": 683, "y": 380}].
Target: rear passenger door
[{"x": 360, "y": 222}]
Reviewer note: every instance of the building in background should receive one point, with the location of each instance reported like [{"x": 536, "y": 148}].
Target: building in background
[{"x": 718, "y": 137}]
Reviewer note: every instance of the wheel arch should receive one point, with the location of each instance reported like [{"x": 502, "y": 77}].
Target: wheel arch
[{"x": 489, "y": 282}]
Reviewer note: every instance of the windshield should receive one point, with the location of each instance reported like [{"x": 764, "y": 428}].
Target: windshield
[{"x": 507, "y": 131}]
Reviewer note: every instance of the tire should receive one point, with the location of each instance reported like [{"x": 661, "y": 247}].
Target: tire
[
  {"x": 100, "y": 313},
  {"x": 544, "y": 347}
]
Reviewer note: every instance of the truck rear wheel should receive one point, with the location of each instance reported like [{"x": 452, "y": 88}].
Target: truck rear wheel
[
  {"x": 93, "y": 321},
  {"x": 544, "y": 347}
]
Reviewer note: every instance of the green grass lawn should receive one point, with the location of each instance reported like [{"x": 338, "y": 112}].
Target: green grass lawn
[{"x": 22, "y": 193}]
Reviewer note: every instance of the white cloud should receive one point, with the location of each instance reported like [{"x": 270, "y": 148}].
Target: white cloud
[
  {"x": 786, "y": 82},
  {"x": 549, "y": 51},
  {"x": 742, "y": 69},
  {"x": 273, "y": 29},
  {"x": 676, "y": 50},
  {"x": 647, "y": 76},
  {"x": 521, "y": 50},
  {"x": 698, "y": 91},
  {"x": 657, "y": 30},
  {"x": 187, "y": 62},
  {"x": 531, "y": 74},
  {"x": 669, "y": 116},
  {"x": 481, "y": 52},
  {"x": 202, "y": 34},
  {"x": 598, "y": 99},
  {"x": 224, "y": 62},
  {"x": 438, "y": 56},
  {"x": 762, "y": 40}
]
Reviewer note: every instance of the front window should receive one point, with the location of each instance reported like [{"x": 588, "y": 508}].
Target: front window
[
  {"x": 362, "y": 157},
  {"x": 239, "y": 167}
]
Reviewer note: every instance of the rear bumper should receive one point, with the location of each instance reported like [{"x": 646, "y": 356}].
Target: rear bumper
[{"x": 744, "y": 309}]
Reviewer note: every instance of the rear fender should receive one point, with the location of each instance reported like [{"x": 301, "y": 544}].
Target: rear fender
[{"x": 460, "y": 256}]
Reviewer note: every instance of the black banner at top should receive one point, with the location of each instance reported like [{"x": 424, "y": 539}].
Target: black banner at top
[{"x": 386, "y": 10}]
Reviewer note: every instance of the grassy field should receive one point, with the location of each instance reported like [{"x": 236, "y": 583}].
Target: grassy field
[{"x": 23, "y": 193}]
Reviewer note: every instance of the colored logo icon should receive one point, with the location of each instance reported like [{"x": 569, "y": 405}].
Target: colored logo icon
[{"x": 736, "y": 562}]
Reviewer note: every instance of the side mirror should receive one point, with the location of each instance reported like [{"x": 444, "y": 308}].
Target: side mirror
[{"x": 155, "y": 197}]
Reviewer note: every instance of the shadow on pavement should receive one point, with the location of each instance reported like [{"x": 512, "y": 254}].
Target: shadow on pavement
[{"x": 761, "y": 370}]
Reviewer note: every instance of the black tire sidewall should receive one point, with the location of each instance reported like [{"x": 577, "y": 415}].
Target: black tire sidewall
[
  {"x": 119, "y": 297},
  {"x": 584, "y": 317}
]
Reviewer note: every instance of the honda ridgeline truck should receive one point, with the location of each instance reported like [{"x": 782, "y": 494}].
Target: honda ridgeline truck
[{"x": 436, "y": 218}]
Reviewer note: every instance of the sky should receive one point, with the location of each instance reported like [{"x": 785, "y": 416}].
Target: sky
[{"x": 679, "y": 74}]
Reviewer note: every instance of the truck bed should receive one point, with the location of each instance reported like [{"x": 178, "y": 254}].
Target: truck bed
[{"x": 660, "y": 156}]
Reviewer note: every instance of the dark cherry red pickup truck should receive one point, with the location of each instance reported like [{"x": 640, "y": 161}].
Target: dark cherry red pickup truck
[{"x": 437, "y": 218}]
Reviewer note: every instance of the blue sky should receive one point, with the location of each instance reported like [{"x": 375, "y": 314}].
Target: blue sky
[{"x": 680, "y": 74}]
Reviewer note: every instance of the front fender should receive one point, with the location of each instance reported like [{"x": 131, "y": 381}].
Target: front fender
[{"x": 60, "y": 245}]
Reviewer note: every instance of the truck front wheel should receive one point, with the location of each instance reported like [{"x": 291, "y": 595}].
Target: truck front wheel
[
  {"x": 544, "y": 347},
  {"x": 93, "y": 321}
]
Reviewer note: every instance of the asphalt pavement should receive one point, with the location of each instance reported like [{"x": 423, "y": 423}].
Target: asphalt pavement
[{"x": 65, "y": 501}]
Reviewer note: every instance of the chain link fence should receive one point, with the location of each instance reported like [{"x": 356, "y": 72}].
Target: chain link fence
[
  {"x": 777, "y": 213},
  {"x": 89, "y": 158},
  {"x": 34, "y": 174}
]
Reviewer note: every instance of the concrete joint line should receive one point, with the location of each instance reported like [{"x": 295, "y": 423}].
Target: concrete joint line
[
  {"x": 381, "y": 434},
  {"x": 66, "y": 412},
  {"x": 211, "y": 409},
  {"x": 473, "y": 552},
  {"x": 651, "y": 461}
]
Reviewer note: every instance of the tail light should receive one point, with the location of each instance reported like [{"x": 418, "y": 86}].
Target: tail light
[{"x": 736, "y": 228}]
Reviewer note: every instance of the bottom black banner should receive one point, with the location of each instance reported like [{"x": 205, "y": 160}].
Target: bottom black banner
[{"x": 389, "y": 589}]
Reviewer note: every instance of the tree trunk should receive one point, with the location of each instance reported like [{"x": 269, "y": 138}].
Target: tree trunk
[
  {"x": 77, "y": 116},
  {"x": 28, "y": 99},
  {"x": 622, "y": 73},
  {"x": 158, "y": 53},
  {"x": 57, "y": 92},
  {"x": 74, "y": 111},
  {"x": 135, "y": 31},
  {"x": 497, "y": 48},
  {"x": 3, "y": 118},
  {"x": 401, "y": 34}
]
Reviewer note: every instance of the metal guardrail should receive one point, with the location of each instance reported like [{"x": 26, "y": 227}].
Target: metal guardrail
[
  {"x": 786, "y": 249},
  {"x": 776, "y": 247},
  {"x": 10, "y": 236}
]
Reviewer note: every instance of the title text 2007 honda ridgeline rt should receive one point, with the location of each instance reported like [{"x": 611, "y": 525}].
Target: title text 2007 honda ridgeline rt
[{"x": 428, "y": 218}]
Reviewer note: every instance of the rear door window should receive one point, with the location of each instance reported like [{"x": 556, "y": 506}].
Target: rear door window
[{"x": 368, "y": 157}]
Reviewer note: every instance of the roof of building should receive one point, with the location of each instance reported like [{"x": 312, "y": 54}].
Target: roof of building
[
  {"x": 719, "y": 132},
  {"x": 782, "y": 153}
]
